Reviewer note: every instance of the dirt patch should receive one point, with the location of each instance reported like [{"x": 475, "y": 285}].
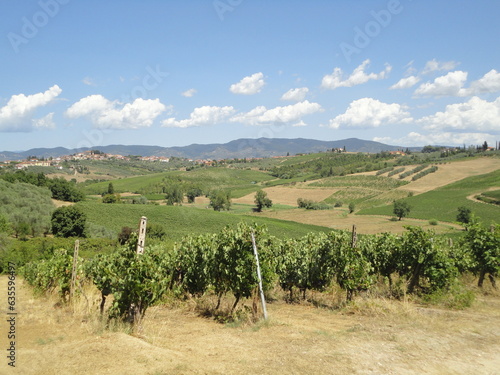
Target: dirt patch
[
  {"x": 289, "y": 195},
  {"x": 372, "y": 337},
  {"x": 452, "y": 172},
  {"x": 366, "y": 224},
  {"x": 58, "y": 203},
  {"x": 446, "y": 174}
]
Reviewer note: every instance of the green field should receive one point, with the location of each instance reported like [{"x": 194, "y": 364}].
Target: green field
[
  {"x": 180, "y": 220},
  {"x": 442, "y": 203},
  {"x": 240, "y": 182}
]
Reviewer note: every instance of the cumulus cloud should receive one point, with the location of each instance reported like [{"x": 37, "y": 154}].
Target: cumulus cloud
[
  {"x": 476, "y": 114},
  {"x": 295, "y": 95},
  {"x": 369, "y": 112},
  {"x": 189, "y": 93},
  {"x": 46, "y": 122},
  {"x": 17, "y": 114},
  {"x": 437, "y": 66},
  {"x": 249, "y": 85},
  {"x": 450, "y": 84},
  {"x": 201, "y": 116},
  {"x": 357, "y": 77},
  {"x": 283, "y": 115},
  {"x": 438, "y": 138},
  {"x": 115, "y": 115},
  {"x": 405, "y": 83},
  {"x": 488, "y": 83}
]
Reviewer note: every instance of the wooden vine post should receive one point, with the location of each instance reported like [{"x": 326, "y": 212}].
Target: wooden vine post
[
  {"x": 354, "y": 239},
  {"x": 73, "y": 270},
  {"x": 261, "y": 290},
  {"x": 141, "y": 238}
]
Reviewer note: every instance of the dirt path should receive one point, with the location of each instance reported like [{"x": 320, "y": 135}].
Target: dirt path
[
  {"x": 373, "y": 337},
  {"x": 472, "y": 197}
]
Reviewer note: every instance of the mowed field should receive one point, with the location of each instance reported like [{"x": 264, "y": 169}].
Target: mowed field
[
  {"x": 448, "y": 173},
  {"x": 373, "y": 336},
  {"x": 289, "y": 195},
  {"x": 365, "y": 224}
]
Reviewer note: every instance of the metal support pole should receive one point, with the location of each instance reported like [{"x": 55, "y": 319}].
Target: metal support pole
[{"x": 261, "y": 290}]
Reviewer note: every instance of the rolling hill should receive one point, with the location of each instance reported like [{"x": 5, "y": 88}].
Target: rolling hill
[{"x": 240, "y": 148}]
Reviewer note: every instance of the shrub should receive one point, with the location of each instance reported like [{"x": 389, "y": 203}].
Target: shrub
[{"x": 69, "y": 221}]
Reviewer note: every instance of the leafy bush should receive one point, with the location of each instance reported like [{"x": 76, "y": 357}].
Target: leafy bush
[
  {"x": 69, "y": 221},
  {"x": 312, "y": 205}
]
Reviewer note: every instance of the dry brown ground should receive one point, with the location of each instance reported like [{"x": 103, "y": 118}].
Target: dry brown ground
[
  {"x": 289, "y": 195},
  {"x": 372, "y": 337},
  {"x": 58, "y": 203},
  {"x": 365, "y": 224},
  {"x": 448, "y": 173}
]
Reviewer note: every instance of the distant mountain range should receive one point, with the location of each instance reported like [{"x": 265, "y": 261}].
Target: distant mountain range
[{"x": 240, "y": 148}]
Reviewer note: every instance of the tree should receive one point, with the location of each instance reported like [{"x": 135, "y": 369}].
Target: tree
[
  {"x": 69, "y": 221},
  {"x": 261, "y": 200},
  {"x": 111, "y": 188},
  {"x": 111, "y": 198},
  {"x": 464, "y": 215},
  {"x": 64, "y": 190},
  {"x": 173, "y": 194},
  {"x": 192, "y": 193},
  {"x": 485, "y": 146},
  {"x": 220, "y": 200},
  {"x": 352, "y": 207},
  {"x": 401, "y": 209}
]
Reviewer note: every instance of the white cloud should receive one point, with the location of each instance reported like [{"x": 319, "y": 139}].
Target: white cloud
[
  {"x": 283, "y": 115},
  {"x": 450, "y": 84},
  {"x": 88, "y": 81},
  {"x": 299, "y": 124},
  {"x": 368, "y": 112},
  {"x": 115, "y": 115},
  {"x": 488, "y": 83},
  {"x": 189, "y": 93},
  {"x": 405, "y": 83},
  {"x": 249, "y": 85},
  {"x": 475, "y": 114},
  {"x": 17, "y": 114},
  {"x": 357, "y": 77},
  {"x": 436, "y": 66},
  {"x": 46, "y": 122},
  {"x": 296, "y": 95},
  {"x": 201, "y": 116},
  {"x": 439, "y": 138}
]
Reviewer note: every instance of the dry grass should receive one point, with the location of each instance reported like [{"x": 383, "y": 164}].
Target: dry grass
[
  {"x": 289, "y": 195},
  {"x": 340, "y": 219},
  {"x": 373, "y": 335}
]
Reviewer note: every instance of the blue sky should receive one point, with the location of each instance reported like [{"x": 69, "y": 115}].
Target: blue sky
[{"x": 79, "y": 73}]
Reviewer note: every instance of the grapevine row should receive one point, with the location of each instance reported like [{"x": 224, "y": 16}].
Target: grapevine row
[{"x": 223, "y": 263}]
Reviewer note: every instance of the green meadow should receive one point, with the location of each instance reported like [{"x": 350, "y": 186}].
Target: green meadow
[{"x": 442, "y": 203}]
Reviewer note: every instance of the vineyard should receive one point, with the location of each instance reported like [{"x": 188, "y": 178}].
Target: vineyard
[{"x": 223, "y": 265}]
